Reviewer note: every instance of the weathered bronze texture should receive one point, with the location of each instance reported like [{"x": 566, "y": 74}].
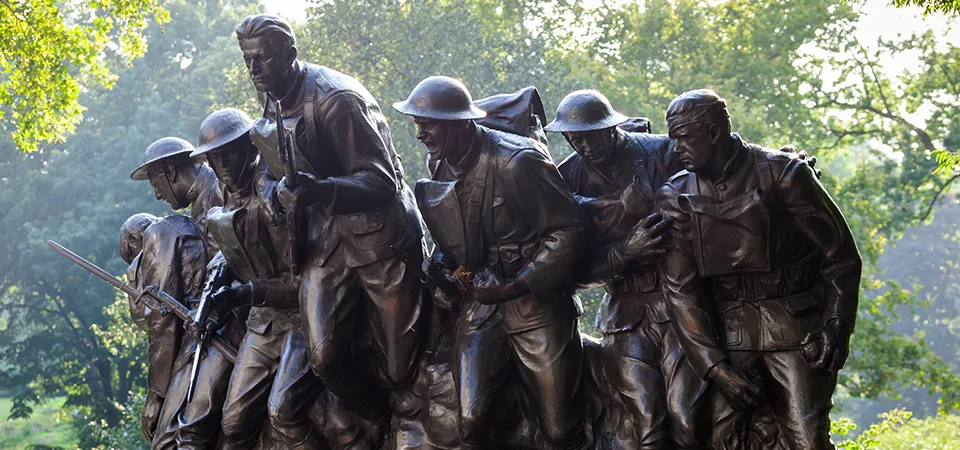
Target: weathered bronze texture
[
  {"x": 614, "y": 174},
  {"x": 356, "y": 210},
  {"x": 498, "y": 208},
  {"x": 761, "y": 279}
]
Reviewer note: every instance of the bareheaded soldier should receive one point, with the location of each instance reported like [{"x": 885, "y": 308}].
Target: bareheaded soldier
[
  {"x": 180, "y": 180},
  {"x": 271, "y": 381},
  {"x": 509, "y": 231},
  {"x": 364, "y": 236},
  {"x": 761, "y": 279},
  {"x": 172, "y": 256},
  {"x": 614, "y": 174}
]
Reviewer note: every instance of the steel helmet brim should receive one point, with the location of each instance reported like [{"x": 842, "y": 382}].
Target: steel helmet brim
[
  {"x": 559, "y": 126},
  {"x": 227, "y": 125},
  {"x": 440, "y": 98},
  {"x": 408, "y": 108},
  {"x": 154, "y": 154}
]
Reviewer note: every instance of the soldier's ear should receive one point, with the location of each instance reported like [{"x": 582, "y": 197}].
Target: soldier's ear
[
  {"x": 170, "y": 171},
  {"x": 714, "y": 133},
  {"x": 292, "y": 54}
]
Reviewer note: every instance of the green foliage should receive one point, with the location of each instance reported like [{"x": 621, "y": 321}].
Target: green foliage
[
  {"x": 57, "y": 334},
  {"x": 43, "y": 430},
  {"x": 931, "y": 6},
  {"x": 53, "y": 50},
  {"x": 870, "y": 437}
]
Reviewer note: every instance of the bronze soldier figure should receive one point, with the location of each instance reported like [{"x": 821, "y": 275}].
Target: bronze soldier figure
[
  {"x": 364, "y": 236},
  {"x": 614, "y": 174},
  {"x": 271, "y": 379},
  {"x": 508, "y": 231},
  {"x": 172, "y": 257},
  {"x": 762, "y": 278},
  {"x": 180, "y": 180}
]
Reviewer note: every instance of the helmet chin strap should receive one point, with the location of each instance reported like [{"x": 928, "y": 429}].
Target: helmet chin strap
[{"x": 169, "y": 193}]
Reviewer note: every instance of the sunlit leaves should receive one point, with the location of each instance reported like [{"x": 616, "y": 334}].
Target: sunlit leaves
[{"x": 53, "y": 50}]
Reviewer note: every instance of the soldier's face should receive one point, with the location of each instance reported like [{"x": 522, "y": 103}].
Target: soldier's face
[
  {"x": 433, "y": 134},
  {"x": 269, "y": 65},
  {"x": 167, "y": 186},
  {"x": 595, "y": 147},
  {"x": 695, "y": 144},
  {"x": 232, "y": 163}
]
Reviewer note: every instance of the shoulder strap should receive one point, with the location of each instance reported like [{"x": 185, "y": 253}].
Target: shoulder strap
[
  {"x": 309, "y": 110},
  {"x": 473, "y": 229},
  {"x": 765, "y": 172}
]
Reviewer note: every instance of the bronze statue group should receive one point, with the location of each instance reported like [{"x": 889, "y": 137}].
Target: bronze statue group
[{"x": 731, "y": 276}]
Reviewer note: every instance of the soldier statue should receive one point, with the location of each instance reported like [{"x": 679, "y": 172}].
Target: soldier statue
[
  {"x": 614, "y": 174},
  {"x": 271, "y": 381},
  {"x": 170, "y": 254},
  {"x": 761, "y": 279},
  {"x": 364, "y": 237},
  {"x": 507, "y": 232},
  {"x": 180, "y": 180}
]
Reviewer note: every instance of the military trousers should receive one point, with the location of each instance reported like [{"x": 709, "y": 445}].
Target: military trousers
[
  {"x": 493, "y": 343},
  {"x": 271, "y": 384},
  {"x": 381, "y": 300},
  {"x": 199, "y": 420},
  {"x": 658, "y": 387},
  {"x": 799, "y": 397},
  {"x": 164, "y": 437}
]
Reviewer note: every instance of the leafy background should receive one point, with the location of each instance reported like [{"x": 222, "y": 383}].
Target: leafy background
[{"x": 71, "y": 365}]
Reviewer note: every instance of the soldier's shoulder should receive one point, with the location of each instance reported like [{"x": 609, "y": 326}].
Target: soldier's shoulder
[
  {"x": 680, "y": 180},
  {"x": 783, "y": 164},
  {"x": 171, "y": 227},
  {"x": 509, "y": 146},
  {"x": 570, "y": 163},
  {"x": 329, "y": 82}
]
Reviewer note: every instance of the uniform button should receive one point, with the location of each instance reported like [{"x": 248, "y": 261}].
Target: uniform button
[{"x": 722, "y": 186}]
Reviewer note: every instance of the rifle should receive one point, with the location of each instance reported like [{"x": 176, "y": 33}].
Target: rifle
[
  {"x": 151, "y": 296},
  {"x": 289, "y": 160},
  {"x": 213, "y": 282}
]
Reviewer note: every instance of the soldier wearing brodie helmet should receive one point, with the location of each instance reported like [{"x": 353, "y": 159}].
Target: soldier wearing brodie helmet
[
  {"x": 271, "y": 380},
  {"x": 497, "y": 208},
  {"x": 762, "y": 279},
  {"x": 180, "y": 180},
  {"x": 614, "y": 174}
]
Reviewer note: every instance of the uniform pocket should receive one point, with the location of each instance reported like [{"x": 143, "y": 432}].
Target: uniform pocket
[{"x": 731, "y": 322}]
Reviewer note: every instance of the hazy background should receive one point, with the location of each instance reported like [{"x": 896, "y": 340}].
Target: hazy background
[{"x": 869, "y": 89}]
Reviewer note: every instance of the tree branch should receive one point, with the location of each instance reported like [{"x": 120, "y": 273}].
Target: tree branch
[{"x": 936, "y": 197}]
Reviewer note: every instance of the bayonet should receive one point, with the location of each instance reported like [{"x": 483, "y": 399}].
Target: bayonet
[{"x": 151, "y": 296}]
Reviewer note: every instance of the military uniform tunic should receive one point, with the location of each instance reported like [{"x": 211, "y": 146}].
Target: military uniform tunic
[
  {"x": 761, "y": 257},
  {"x": 271, "y": 381},
  {"x": 363, "y": 245},
  {"x": 531, "y": 229},
  {"x": 173, "y": 259},
  {"x": 641, "y": 353}
]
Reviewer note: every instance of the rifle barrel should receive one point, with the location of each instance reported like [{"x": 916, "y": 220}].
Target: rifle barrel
[{"x": 92, "y": 268}]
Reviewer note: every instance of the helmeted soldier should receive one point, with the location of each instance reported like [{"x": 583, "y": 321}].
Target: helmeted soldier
[
  {"x": 762, "y": 279},
  {"x": 364, "y": 239},
  {"x": 498, "y": 209},
  {"x": 180, "y": 180},
  {"x": 614, "y": 174},
  {"x": 271, "y": 379},
  {"x": 173, "y": 258}
]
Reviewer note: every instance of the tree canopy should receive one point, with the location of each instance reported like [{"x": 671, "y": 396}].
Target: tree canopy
[
  {"x": 792, "y": 73},
  {"x": 52, "y": 51}
]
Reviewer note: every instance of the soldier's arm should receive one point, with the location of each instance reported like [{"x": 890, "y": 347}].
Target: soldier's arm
[
  {"x": 532, "y": 181},
  {"x": 351, "y": 125},
  {"x": 812, "y": 212},
  {"x": 160, "y": 266},
  {"x": 688, "y": 305}
]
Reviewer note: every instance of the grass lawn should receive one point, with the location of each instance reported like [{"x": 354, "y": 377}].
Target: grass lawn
[{"x": 41, "y": 430}]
